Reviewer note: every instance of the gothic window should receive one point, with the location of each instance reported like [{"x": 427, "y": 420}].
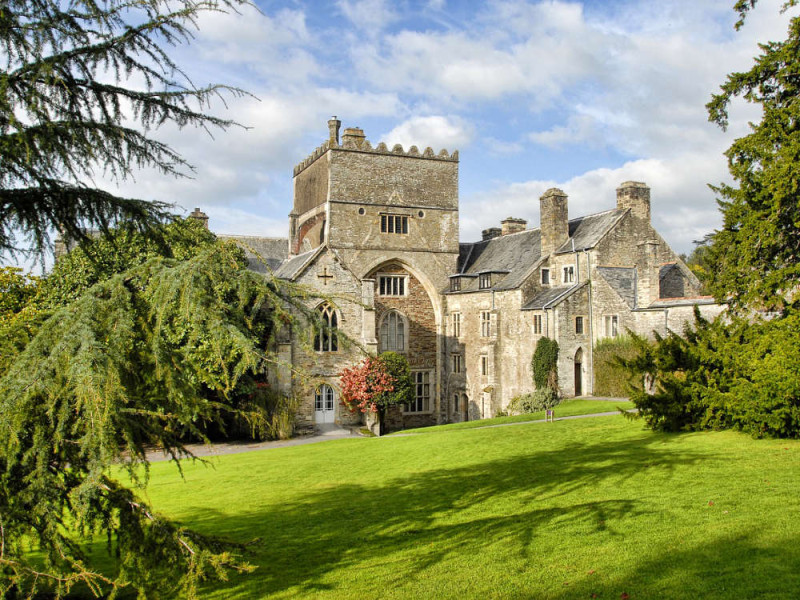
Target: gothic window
[
  {"x": 486, "y": 323},
  {"x": 422, "y": 392},
  {"x": 394, "y": 223},
  {"x": 485, "y": 281},
  {"x": 545, "y": 276},
  {"x": 393, "y": 332},
  {"x": 326, "y": 339},
  {"x": 456, "y": 325},
  {"x": 391, "y": 285},
  {"x": 537, "y": 324},
  {"x": 569, "y": 274},
  {"x": 323, "y": 398}
]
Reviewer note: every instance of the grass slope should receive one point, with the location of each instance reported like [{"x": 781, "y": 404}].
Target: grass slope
[
  {"x": 568, "y": 408},
  {"x": 590, "y": 508}
]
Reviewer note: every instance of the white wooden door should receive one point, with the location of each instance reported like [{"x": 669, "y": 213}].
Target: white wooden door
[{"x": 323, "y": 405}]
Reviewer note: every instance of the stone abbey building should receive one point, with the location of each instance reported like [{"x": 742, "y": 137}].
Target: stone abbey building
[{"x": 376, "y": 229}]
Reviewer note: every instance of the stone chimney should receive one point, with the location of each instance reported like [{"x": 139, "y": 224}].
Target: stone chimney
[
  {"x": 554, "y": 219},
  {"x": 333, "y": 131},
  {"x": 491, "y": 233},
  {"x": 648, "y": 285},
  {"x": 636, "y": 196},
  {"x": 200, "y": 216},
  {"x": 513, "y": 225},
  {"x": 353, "y": 137}
]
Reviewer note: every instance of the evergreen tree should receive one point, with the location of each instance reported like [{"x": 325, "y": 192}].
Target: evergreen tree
[
  {"x": 69, "y": 110},
  {"x": 756, "y": 254},
  {"x": 125, "y": 367}
]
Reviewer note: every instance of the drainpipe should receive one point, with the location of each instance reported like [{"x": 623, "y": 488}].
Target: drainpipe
[{"x": 591, "y": 317}]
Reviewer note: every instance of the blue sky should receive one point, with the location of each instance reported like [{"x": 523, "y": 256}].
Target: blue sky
[{"x": 578, "y": 95}]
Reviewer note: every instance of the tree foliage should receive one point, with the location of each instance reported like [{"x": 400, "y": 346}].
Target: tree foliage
[
  {"x": 756, "y": 253},
  {"x": 377, "y": 383},
  {"x": 123, "y": 368},
  {"x": 544, "y": 364},
  {"x": 83, "y": 85}
]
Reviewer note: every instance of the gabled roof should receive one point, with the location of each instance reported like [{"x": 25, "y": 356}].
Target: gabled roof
[
  {"x": 516, "y": 254},
  {"x": 511, "y": 256},
  {"x": 550, "y": 297},
  {"x": 586, "y": 232},
  {"x": 263, "y": 254},
  {"x": 622, "y": 280},
  {"x": 291, "y": 268}
]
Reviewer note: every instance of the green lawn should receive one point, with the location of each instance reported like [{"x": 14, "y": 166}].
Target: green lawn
[
  {"x": 568, "y": 408},
  {"x": 585, "y": 508}
]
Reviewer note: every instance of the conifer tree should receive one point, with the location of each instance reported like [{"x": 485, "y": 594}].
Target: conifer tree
[
  {"x": 82, "y": 86},
  {"x": 756, "y": 253}
]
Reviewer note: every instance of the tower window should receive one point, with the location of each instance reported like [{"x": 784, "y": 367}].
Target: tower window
[
  {"x": 394, "y": 223},
  {"x": 391, "y": 285}
]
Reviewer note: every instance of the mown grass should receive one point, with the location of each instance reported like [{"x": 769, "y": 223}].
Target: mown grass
[
  {"x": 568, "y": 408},
  {"x": 584, "y": 508}
]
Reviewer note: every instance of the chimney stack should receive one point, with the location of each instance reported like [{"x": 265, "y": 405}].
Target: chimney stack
[
  {"x": 513, "y": 225},
  {"x": 333, "y": 131},
  {"x": 635, "y": 195},
  {"x": 353, "y": 137},
  {"x": 554, "y": 220},
  {"x": 491, "y": 233},
  {"x": 648, "y": 284},
  {"x": 199, "y": 215}
]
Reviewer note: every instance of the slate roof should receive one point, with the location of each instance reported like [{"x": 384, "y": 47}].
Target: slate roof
[
  {"x": 513, "y": 256},
  {"x": 263, "y": 254},
  {"x": 622, "y": 280},
  {"x": 510, "y": 256},
  {"x": 550, "y": 297},
  {"x": 586, "y": 232},
  {"x": 670, "y": 302},
  {"x": 292, "y": 267}
]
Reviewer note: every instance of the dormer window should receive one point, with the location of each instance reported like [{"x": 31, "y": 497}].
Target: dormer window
[
  {"x": 569, "y": 274},
  {"x": 485, "y": 281},
  {"x": 455, "y": 284},
  {"x": 394, "y": 223},
  {"x": 545, "y": 276}
]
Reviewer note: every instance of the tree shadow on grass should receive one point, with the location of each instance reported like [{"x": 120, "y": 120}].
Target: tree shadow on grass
[{"x": 414, "y": 522}]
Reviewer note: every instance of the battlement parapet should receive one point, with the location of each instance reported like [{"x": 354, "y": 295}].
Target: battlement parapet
[{"x": 354, "y": 140}]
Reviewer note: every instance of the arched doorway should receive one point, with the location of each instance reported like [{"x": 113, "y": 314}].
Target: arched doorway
[{"x": 579, "y": 372}]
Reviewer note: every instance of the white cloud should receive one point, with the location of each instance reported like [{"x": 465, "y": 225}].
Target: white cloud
[
  {"x": 370, "y": 16},
  {"x": 437, "y": 132}
]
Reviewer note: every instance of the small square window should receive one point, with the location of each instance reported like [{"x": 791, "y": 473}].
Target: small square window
[{"x": 394, "y": 223}]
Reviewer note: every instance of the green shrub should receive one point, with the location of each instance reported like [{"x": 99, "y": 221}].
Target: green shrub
[
  {"x": 537, "y": 401},
  {"x": 610, "y": 377},
  {"x": 544, "y": 364}
]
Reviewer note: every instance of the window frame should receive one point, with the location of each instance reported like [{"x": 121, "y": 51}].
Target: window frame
[
  {"x": 484, "y": 281},
  {"x": 545, "y": 279},
  {"x": 538, "y": 324},
  {"x": 326, "y": 339},
  {"x": 579, "y": 319},
  {"x": 389, "y": 223},
  {"x": 486, "y": 323},
  {"x": 422, "y": 380},
  {"x": 484, "y": 365},
  {"x": 456, "y": 362},
  {"x": 569, "y": 274},
  {"x": 455, "y": 284},
  {"x": 400, "y": 319},
  {"x": 611, "y": 323},
  {"x": 456, "y": 323},
  {"x": 388, "y": 280}
]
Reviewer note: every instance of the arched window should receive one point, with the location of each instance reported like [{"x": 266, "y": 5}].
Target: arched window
[
  {"x": 326, "y": 339},
  {"x": 393, "y": 332}
]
